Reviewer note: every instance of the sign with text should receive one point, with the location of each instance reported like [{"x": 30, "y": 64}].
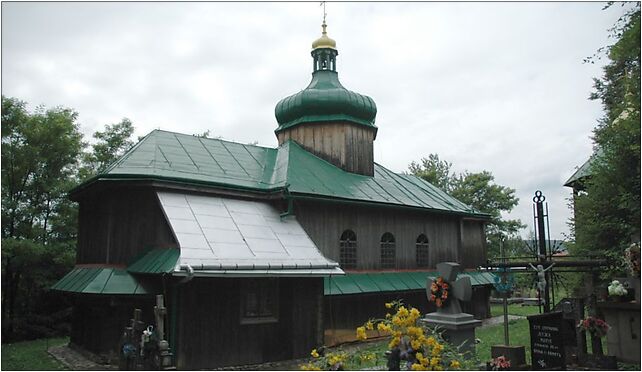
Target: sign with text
[{"x": 547, "y": 349}]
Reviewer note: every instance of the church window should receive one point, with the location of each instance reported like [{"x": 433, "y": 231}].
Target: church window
[
  {"x": 422, "y": 251},
  {"x": 348, "y": 250},
  {"x": 259, "y": 301},
  {"x": 387, "y": 251}
]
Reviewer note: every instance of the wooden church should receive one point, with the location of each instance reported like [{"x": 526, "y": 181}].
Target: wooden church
[{"x": 264, "y": 253}]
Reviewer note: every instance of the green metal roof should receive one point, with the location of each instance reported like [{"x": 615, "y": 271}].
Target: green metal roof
[
  {"x": 102, "y": 280},
  {"x": 323, "y": 100},
  {"x": 583, "y": 171},
  {"x": 187, "y": 159},
  {"x": 155, "y": 261},
  {"x": 355, "y": 283}
]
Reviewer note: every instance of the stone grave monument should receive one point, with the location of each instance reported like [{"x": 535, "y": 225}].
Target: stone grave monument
[{"x": 458, "y": 327}]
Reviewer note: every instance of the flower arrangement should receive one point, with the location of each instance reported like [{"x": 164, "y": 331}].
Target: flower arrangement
[
  {"x": 499, "y": 364},
  {"x": 617, "y": 289},
  {"x": 595, "y": 326},
  {"x": 407, "y": 342},
  {"x": 632, "y": 259},
  {"x": 439, "y": 292}
]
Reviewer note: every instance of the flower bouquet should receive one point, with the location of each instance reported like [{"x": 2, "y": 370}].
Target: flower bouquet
[
  {"x": 501, "y": 363},
  {"x": 439, "y": 292},
  {"x": 617, "y": 289},
  {"x": 595, "y": 326}
]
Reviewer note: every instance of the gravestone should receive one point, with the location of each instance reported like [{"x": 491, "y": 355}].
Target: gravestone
[
  {"x": 547, "y": 341},
  {"x": 458, "y": 327}
]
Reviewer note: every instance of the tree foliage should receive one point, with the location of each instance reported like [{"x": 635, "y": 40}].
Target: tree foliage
[
  {"x": 111, "y": 144},
  {"x": 40, "y": 153},
  {"x": 607, "y": 213},
  {"x": 477, "y": 190},
  {"x": 43, "y": 157}
]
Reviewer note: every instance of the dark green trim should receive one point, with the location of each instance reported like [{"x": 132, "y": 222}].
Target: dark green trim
[
  {"x": 169, "y": 180},
  {"x": 326, "y": 119},
  {"x": 330, "y": 199}
]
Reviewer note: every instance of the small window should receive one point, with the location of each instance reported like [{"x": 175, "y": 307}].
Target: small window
[
  {"x": 259, "y": 301},
  {"x": 387, "y": 251},
  {"x": 348, "y": 250},
  {"x": 422, "y": 251}
]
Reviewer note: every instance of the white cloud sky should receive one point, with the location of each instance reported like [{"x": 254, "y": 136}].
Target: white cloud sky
[{"x": 487, "y": 86}]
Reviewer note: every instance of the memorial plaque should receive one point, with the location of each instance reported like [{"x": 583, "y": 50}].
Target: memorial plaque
[{"x": 547, "y": 348}]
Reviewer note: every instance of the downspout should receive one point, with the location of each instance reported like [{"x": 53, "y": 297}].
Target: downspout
[
  {"x": 289, "y": 200},
  {"x": 190, "y": 274},
  {"x": 174, "y": 313}
]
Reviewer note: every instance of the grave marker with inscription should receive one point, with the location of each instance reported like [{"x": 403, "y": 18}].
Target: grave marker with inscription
[{"x": 547, "y": 348}]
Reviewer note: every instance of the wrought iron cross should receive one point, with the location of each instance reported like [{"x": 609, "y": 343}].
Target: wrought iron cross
[{"x": 460, "y": 289}]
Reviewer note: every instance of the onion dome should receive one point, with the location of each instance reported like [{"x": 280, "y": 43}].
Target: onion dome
[
  {"x": 325, "y": 99},
  {"x": 324, "y": 41}
]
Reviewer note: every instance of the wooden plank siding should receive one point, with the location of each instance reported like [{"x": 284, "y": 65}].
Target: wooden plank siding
[
  {"x": 343, "y": 314},
  {"x": 449, "y": 238},
  {"x": 98, "y": 321},
  {"x": 210, "y": 333},
  {"x": 348, "y": 146},
  {"x": 119, "y": 224}
]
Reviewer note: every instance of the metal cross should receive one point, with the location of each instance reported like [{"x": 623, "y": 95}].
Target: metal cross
[
  {"x": 324, "y": 13},
  {"x": 460, "y": 289}
]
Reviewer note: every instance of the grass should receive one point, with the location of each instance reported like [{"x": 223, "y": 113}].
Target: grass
[
  {"x": 494, "y": 335},
  {"x": 31, "y": 355}
]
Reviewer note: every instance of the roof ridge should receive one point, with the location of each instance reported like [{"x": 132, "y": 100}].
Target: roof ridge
[
  {"x": 126, "y": 155},
  {"x": 212, "y": 139}
]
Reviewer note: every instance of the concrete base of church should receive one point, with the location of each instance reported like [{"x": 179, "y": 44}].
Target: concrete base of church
[{"x": 457, "y": 329}]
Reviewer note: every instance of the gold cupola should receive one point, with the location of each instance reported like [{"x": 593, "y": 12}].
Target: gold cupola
[{"x": 324, "y": 41}]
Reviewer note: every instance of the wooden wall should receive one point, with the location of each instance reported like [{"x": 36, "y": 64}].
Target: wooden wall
[
  {"x": 351, "y": 311},
  {"x": 449, "y": 238},
  {"x": 120, "y": 223},
  {"x": 210, "y": 334},
  {"x": 98, "y": 321},
  {"x": 348, "y": 146},
  {"x": 473, "y": 247}
]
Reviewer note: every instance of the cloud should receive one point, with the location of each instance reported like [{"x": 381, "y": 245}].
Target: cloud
[{"x": 487, "y": 86}]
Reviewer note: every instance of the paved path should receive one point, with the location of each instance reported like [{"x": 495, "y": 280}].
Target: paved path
[
  {"x": 75, "y": 361},
  {"x": 499, "y": 320}
]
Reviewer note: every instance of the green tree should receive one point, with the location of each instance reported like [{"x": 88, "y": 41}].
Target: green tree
[
  {"x": 111, "y": 144},
  {"x": 40, "y": 152},
  {"x": 477, "y": 190},
  {"x": 607, "y": 214}
]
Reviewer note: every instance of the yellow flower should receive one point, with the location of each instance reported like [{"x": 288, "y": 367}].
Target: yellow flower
[
  {"x": 389, "y": 305},
  {"x": 388, "y": 315},
  {"x": 361, "y": 333},
  {"x": 416, "y": 345},
  {"x": 384, "y": 327},
  {"x": 369, "y": 325},
  {"x": 438, "y": 368},
  {"x": 437, "y": 349},
  {"x": 393, "y": 343},
  {"x": 309, "y": 367},
  {"x": 434, "y": 362},
  {"x": 402, "y": 311},
  {"x": 397, "y": 321},
  {"x": 314, "y": 353},
  {"x": 417, "y": 367},
  {"x": 415, "y": 313},
  {"x": 431, "y": 341},
  {"x": 455, "y": 364}
]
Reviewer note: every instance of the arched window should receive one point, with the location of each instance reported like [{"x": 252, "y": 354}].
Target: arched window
[
  {"x": 387, "y": 251},
  {"x": 348, "y": 250},
  {"x": 422, "y": 251}
]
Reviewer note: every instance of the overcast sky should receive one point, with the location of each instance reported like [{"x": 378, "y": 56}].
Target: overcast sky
[{"x": 487, "y": 86}]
